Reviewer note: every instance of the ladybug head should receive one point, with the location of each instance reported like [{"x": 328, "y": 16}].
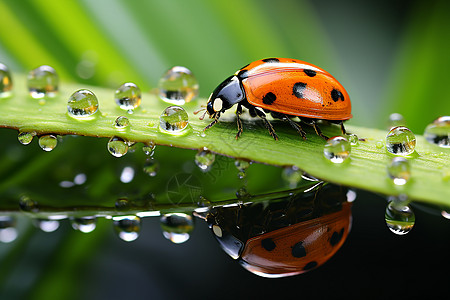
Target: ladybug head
[{"x": 227, "y": 94}]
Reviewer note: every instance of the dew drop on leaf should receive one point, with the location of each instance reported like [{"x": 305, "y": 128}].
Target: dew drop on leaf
[
  {"x": 178, "y": 86},
  {"x": 173, "y": 120},
  {"x": 438, "y": 132},
  {"x": 82, "y": 104},
  {"x": 337, "y": 149},
  {"x": 177, "y": 227},
  {"x": 400, "y": 141},
  {"x": 42, "y": 82},
  {"x": 6, "y": 84},
  {"x": 128, "y": 96},
  {"x": 127, "y": 228}
]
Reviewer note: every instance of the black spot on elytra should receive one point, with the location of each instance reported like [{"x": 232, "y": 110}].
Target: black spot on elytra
[
  {"x": 271, "y": 60},
  {"x": 310, "y": 265},
  {"x": 336, "y": 237},
  {"x": 268, "y": 244},
  {"x": 309, "y": 72},
  {"x": 298, "y": 89},
  {"x": 298, "y": 250},
  {"x": 269, "y": 98},
  {"x": 336, "y": 95}
]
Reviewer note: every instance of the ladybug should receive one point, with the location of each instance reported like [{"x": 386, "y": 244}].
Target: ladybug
[
  {"x": 287, "y": 235},
  {"x": 286, "y": 88}
]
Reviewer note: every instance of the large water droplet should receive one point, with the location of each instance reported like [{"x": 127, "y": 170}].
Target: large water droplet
[
  {"x": 399, "y": 170},
  {"x": 8, "y": 231},
  {"x": 84, "y": 224},
  {"x": 82, "y": 104},
  {"x": 177, "y": 227},
  {"x": 173, "y": 120},
  {"x": 48, "y": 142},
  {"x": 25, "y": 137},
  {"x": 149, "y": 148},
  {"x": 438, "y": 132},
  {"x": 178, "y": 86},
  {"x": 399, "y": 217},
  {"x": 396, "y": 120},
  {"x": 337, "y": 149},
  {"x": 151, "y": 167},
  {"x": 5, "y": 81},
  {"x": 43, "y": 82},
  {"x": 127, "y": 227},
  {"x": 128, "y": 96},
  {"x": 46, "y": 225},
  {"x": 400, "y": 141},
  {"x": 121, "y": 122},
  {"x": 117, "y": 146},
  {"x": 204, "y": 159}
]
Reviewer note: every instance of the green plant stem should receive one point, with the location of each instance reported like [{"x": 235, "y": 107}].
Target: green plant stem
[{"x": 365, "y": 169}]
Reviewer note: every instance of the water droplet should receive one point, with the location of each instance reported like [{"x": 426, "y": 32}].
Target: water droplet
[
  {"x": 27, "y": 204},
  {"x": 128, "y": 96},
  {"x": 173, "y": 120},
  {"x": 5, "y": 81},
  {"x": 8, "y": 231},
  {"x": 149, "y": 148},
  {"x": 48, "y": 142},
  {"x": 178, "y": 86},
  {"x": 292, "y": 175},
  {"x": 25, "y": 137},
  {"x": 127, "y": 175},
  {"x": 127, "y": 227},
  {"x": 177, "y": 227},
  {"x": 82, "y": 104},
  {"x": 151, "y": 167},
  {"x": 399, "y": 170},
  {"x": 438, "y": 132},
  {"x": 46, "y": 225},
  {"x": 117, "y": 146},
  {"x": 396, "y": 120},
  {"x": 242, "y": 166},
  {"x": 204, "y": 159},
  {"x": 84, "y": 224},
  {"x": 400, "y": 141},
  {"x": 399, "y": 217},
  {"x": 337, "y": 149},
  {"x": 80, "y": 179},
  {"x": 43, "y": 82},
  {"x": 242, "y": 193},
  {"x": 121, "y": 122},
  {"x": 353, "y": 139},
  {"x": 379, "y": 144}
]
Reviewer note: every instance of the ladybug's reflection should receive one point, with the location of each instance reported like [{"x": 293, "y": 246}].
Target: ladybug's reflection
[{"x": 284, "y": 236}]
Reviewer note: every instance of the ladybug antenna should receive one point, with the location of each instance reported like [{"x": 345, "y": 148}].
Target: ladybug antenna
[
  {"x": 203, "y": 116},
  {"x": 199, "y": 110}
]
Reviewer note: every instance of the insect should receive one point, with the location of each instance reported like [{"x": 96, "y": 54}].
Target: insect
[
  {"x": 284, "y": 88},
  {"x": 286, "y": 236}
]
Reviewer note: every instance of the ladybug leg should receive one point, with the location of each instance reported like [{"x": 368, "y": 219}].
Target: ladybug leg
[
  {"x": 342, "y": 127},
  {"x": 239, "y": 122},
  {"x": 216, "y": 119},
  {"x": 318, "y": 131},
  {"x": 269, "y": 126},
  {"x": 296, "y": 126}
]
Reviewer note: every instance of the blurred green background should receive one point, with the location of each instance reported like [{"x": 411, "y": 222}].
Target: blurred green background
[{"x": 391, "y": 56}]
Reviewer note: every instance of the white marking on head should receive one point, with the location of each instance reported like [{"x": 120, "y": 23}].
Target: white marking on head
[{"x": 218, "y": 104}]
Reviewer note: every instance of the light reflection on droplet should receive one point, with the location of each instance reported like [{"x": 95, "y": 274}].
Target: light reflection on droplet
[{"x": 127, "y": 175}]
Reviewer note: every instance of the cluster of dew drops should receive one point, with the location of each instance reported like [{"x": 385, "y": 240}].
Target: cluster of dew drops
[{"x": 179, "y": 86}]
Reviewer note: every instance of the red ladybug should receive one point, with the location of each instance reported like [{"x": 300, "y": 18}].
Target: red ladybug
[
  {"x": 285, "y": 88},
  {"x": 285, "y": 236}
]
